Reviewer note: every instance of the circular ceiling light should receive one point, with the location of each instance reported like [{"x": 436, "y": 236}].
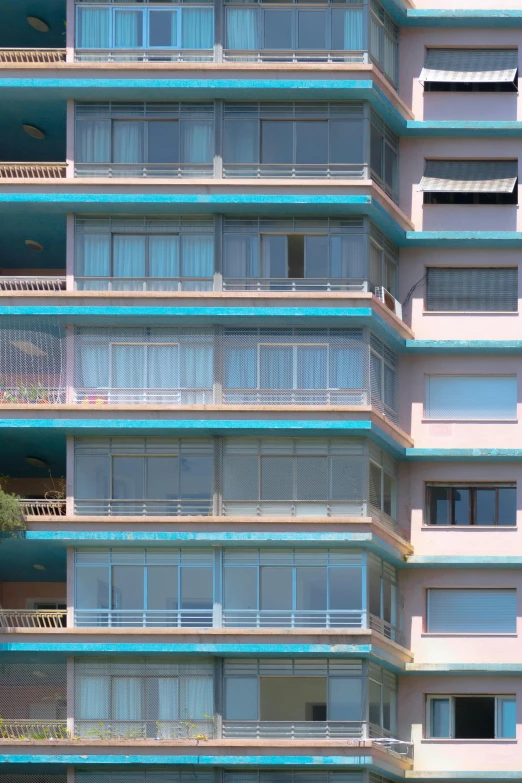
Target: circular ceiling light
[
  {"x": 34, "y": 245},
  {"x": 39, "y": 567},
  {"x": 36, "y": 462},
  {"x": 37, "y": 24},
  {"x": 34, "y": 132}
]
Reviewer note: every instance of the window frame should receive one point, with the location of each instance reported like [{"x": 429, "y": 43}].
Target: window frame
[
  {"x": 145, "y": 11},
  {"x": 145, "y": 368},
  {"x": 430, "y": 698},
  {"x": 472, "y": 487}
]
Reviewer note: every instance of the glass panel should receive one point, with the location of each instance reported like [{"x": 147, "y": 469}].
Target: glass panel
[
  {"x": 312, "y": 29},
  {"x": 277, "y": 478},
  {"x": 91, "y": 478},
  {"x": 164, "y": 256},
  {"x": 388, "y": 487},
  {"x": 196, "y": 477},
  {"x": 167, "y": 695},
  {"x": 129, "y": 256},
  {"x": 163, "y": 366},
  {"x": 389, "y": 709},
  {"x": 375, "y": 485},
  {"x": 163, "y": 28},
  {"x": 277, "y": 142},
  {"x": 507, "y": 506},
  {"x": 276, "y": 367},
  {"x": 240, "y": 478},
  {"x": 390, "y": 167},
  {"x": 506, "y": 718},
  {"x": 241, "y": 698},
  {"x": 312, "y": 478},
  {"x": 316, "y": 257},
  {"x": 439, "y": 505},
  {"x": 127, "y": 698},
  {"x": 312, "y": 367},
  {"x": 197, "y": 700},
  {"x": 345, "y": 588},
  {"x": 486, "y": 502},
  {"x": 276, "y": 587},
  {"x": 375, "y": 703},
  {"x": 163, "y": 142},
  {"x": 93, "y": 28},
  {"x": 128, "y": 29},
  {"x": 274, "y": 256},
  {"x": 92, "y": 588},
  {"x": 196, "y": 141},
  {"x": 242, "y": 28},
  {"x": 310, "y": 588},
  {"x": 128, "y": 367},
  {"x": 128, "y": 142},
  {"x": 162, "y": 480},
  {"x": 197, "y": 28},
  {"x": 376, "y": 151},
  {"x": 240, "y": 143},
  {"x": 196, "y": 588},
  {"x": 440, "y": 718},
  {"x": 344, "y": 698},
  {"x": 127, "y": 587},
  {"x": 347, "y": 29},
  {"x": 93, "y": 255},
  {"x": 240, "y": 588},
  {"x": 241, "y": 256},
  {"x": 278, "y": 30},
  {"x": 346, "y": 141},
  {"x": 127, "y": 478},
  {"x": 311, "y": 142},
  {"x": 93, "y": 696},
  {"x": 374, "y": 591},
  {"x": 93, "y": 141},
  {"x": 296, "y": 246},
  {"x": 461, "y": 506},
  {"x": 162, "y": 587}
]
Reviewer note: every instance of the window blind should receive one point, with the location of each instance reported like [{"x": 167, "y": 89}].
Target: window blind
[
  {"x": 470, "y": 65},
  {"x": 473, "y": 610},
  {"x": 468, "y": 397},
  {"x": 472, "y": 290},
  {"x": 469, "y": 176}
]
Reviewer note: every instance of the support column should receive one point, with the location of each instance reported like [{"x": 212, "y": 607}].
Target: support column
[
  {"x": 69, "y": 253},
  {"x": 69, "y": 33},
  {"x": 70, "y": 587},
  {"x": 70, "y": 701},
  {"x": 69, "y": 477},
  {"x": 69, "y": 138}
]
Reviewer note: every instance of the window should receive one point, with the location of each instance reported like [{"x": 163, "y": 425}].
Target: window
[
  {"x": 133, "y": 28},
  {"x": 463, "y": 505},
  {"x": 468, "y": 397},
  {"x": 384, "y": 41},
  {"x": 471, "y": 717},
  {"x": 472, "y": 290},
  {"x": 470, "y": 70},
  {"x": 474, "y": 610},
  {"x": 384, "y": 155},
  {"x": 470, "y": 182}
]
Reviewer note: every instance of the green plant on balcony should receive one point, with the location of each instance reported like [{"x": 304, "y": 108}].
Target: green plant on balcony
[{"x": 11, "y": 516}]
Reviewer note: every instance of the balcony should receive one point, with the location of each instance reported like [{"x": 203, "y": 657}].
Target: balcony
[
  {"x": 32, "y": 283},
  {"x": 33, "y": 170},
  {"x": 28, "y": 618},
  {"x": 20, "y": 55}
]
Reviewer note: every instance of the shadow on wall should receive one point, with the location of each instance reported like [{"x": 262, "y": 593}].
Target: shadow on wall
[
  {"x": 475, "y": 217},
  {"x": 469, "y": 106}
]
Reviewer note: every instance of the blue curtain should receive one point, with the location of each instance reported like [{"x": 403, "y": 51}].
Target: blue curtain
[
  {"x": 241, "y": 256},
  {"x": 164, "y": 256},
  {"x": 93, "y": 697},
  {"x": 168, "y": 698},
  {"x": 312, "y": 367},
  {"x": 196, "y": 697},
  {"x": 128, "y": 142},
  {"x": 352, "y": 24},
  {"x": 128, "y": 367},
  {"x": 94, "y": 363},
  {"x": 93, "y": 256},
  {"x": 93, "y": 28},
  {"x": 196, "y": 366},
  {"x": 197, "y": 28},
  {"x": 196, "y": 141},
  {"x": 129, "y": 256},
  {"x": 242, "y": 28},
  {"x": 276, "y": 367},
  {"x": 93, "y": 141},
  {"x": 346, "y": 368},
  {"x": 163, "y": 366},
  {"x": 240, "y": 367},
  {"x": 197, "y": 256},
  {"x": 128, "y": 26}
]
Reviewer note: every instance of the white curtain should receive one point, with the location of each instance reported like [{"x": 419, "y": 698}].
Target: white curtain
[
  {"x": 163, "y": 366},
  {"x": 93, "y": 255},
  {"x": 93, "y": 141},
  {"x": 164, "y": 256},
  {"x": 196, "y": 141},
  {"x": 126, "y": 698},
  {"x": 128, "y": 366},
  {"x": 312, "y": 367},
  {"x": 168, "y": 698},
  {"x": 241, "y": 256},
  {"x": 197, "y": 697},
  {"x": 128, "y": 27},
  {"x": 94, "y": 362},
  {"x": 129, "y": 256},
  {"x": 93, "y": 28},
  {"x": 242, "y": 28},
  {"x": 197, "y": 28},
  {"x": 92, "y": 695},
  {"x": 196, "y": 366},
  {"x": 128, "y": 141},
  {"x": 276, "y": 367}
]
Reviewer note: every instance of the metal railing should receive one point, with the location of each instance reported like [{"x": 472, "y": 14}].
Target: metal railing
[
  {"x": 26, "y": 283},
  {"x": 33, "y": 729},
  {"x": 297, "y": 618},
  {"x": 143, "y": 170},
  {"x": 386, "y": 629},
  {"x": 289, "y": 56},
  {"x": 145, "y": 55},
  {"x": 295, "y": 284},
  {"x": 144, "y": 396},
  {"x": 43, "y": 508},
  {"x": 297, "y": 170},
  {"x": 143, "y": 508},
  {"x": 32, "y": 55},
  {"x": 31, "y": 395},
  {"x": 33, "y": 170},
  {"x": 144, "y": 283},
  {"x": 296, "y": 397},
  {"x": 295, "y": 508},
  {"x": 195, "y": 728},
  {"x": 33, "y": 618},
  {"x": 143, "y": 618}
]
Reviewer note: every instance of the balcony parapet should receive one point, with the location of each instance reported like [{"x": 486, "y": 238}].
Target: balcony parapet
[
  {"x": 29, "y": 283},
  {"x": 32, "y": 618},
  {"x": 33, "y": 170},
  {"x": 16, "y": 55}
]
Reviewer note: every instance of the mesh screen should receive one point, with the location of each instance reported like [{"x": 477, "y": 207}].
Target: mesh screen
[
  {"x": 33, "y": 700},
  {"x": 28, "y": 777},
  {"x": 145, "y": 776}
]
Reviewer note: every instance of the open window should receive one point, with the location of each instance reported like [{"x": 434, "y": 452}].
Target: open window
[
  {"x": 470, "y": 70},
  {"x": 471, "y": 717},
  {"x": 470, "y": 182}
]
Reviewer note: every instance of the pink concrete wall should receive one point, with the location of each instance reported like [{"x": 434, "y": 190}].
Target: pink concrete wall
[
  {"x": 452, "y": 326},
  {"x": 446, "y": 105},
  {"x": 454, "y": 434},
  {"x": 453, "y": 648},
  {"x": 434, "y": 540},
  {"x": 444, "y": 755},
  {"x": 20, "y": 595}
]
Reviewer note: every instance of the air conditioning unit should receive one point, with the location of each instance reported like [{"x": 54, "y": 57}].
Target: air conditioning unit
[{"x": 389, "y": 300}]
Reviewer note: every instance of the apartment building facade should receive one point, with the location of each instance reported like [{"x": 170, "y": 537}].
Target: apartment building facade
[{"x": 259, "y": 370}]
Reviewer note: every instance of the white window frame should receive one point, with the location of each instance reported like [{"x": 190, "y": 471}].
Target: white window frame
[{"x": 451, "y": 699}]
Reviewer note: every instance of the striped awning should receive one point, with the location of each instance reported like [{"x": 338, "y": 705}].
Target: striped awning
[
  {"x": 469, "y": 176},
  {"x": 470, "y": 65}
]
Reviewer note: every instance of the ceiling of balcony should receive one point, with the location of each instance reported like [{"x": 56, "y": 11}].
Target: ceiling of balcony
[
  {"x": 48, "y": 230},
  {"x": 15, "y": 32},
  {"x": 19, "y": 555},
  {"x": 49, "y": 116}
]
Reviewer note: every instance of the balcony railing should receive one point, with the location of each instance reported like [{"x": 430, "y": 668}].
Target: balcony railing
[
  {"x": 43, "y": 508},
  {"x": 32, "y": 618},
  {"x": 145, "y": 55},
  {"x": 350, "y": 285},
  {"x": 289, "y": 56},
  {"x": 143, "y": 508},
  {"x": 304, "y": 618},
  {"x": 144, "y": 729},
  {"x": 31, "y": 395},
  {"x": 144, "y": 170},
  {"x": 33, "y": 170},
  {"x": 296, "y": 397},
  {"x": 146, "y": 618},
  {"x": 295, "y": 508},
  {"x": 297, "y": 170},
  {"x": 26, "y": 283},
  {"x": 32, "y": 55},
  {"x": 144, "y": 283},
  {"x": 33, "y": 729},
  {"x": 143, "y": 396}
]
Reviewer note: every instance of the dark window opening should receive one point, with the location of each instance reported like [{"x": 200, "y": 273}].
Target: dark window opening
[
  {"x": 475, "y": 717},
  {"x": 296, "y": 255},
  {"x": 472, "y": 86},
  {"x": 489, "y": 506},
  {"x": 472, "y": 198},
  {"x": 318, "y": 711}
]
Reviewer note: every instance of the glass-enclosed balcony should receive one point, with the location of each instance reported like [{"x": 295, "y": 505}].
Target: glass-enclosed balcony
[
  {"x": 274, "y": 477},
  {"x": 235, "y": 588},
  {"x": 259, "y": 254},
  {"x": 340, "y": 31}
]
